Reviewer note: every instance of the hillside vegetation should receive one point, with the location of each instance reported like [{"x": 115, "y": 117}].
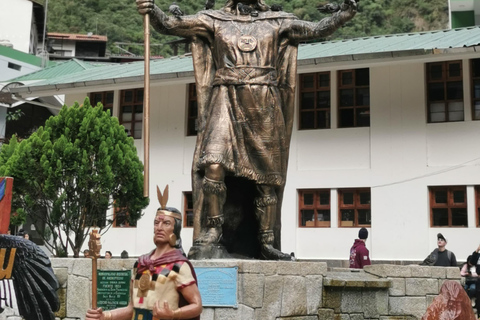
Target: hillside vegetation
[{"x": 120, "y": 22}]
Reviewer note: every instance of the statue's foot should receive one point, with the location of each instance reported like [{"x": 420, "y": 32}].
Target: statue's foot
[
  {"x": 270, "y": 253},
  {"x": 212, "y": 236}
]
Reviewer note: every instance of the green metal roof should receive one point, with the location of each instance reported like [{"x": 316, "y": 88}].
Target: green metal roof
[
  {"x": 58, "y": 70},
  {"x": 353, "y": 49},
  {"x": 22, "y": 56},
  {"x": 440, "y": 39}
]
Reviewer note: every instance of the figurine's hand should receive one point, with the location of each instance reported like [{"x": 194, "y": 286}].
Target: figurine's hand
[
  {"x": 145, "y": 6},
  {"x": 94, "y": 314},
  {"x": 160, "y": 312}
]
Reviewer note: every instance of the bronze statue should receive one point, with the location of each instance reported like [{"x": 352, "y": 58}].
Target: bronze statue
[{"x": 244, "y": 58}]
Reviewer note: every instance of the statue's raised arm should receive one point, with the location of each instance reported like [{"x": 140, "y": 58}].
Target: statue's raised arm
[
  {"x": 179, "y": 25},
  {"x": 300, "y": 30}
]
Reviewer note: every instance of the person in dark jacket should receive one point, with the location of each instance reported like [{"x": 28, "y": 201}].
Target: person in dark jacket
[
  {"x": 441, "y": 257},
  {"x": 359, "y": 255}
]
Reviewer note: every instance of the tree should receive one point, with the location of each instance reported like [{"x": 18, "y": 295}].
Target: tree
[{"x": 69, "y": 172}]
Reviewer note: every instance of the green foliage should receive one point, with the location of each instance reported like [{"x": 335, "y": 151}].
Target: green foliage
[
  {"x": 69, "y": 172},
  {"x": 120, "y": 21},
  {"x": 18, "y": 218},
  {"x": 14, "y": 115}
]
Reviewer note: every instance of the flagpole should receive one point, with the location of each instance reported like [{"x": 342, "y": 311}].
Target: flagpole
[{"x": 146, "y": 109}]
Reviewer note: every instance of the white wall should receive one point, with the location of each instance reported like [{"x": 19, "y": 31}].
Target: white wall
[
  {"x": 398, "y": 157},
  {"x": 16, "y": 23},
  {"x": 9, "y": 73}
]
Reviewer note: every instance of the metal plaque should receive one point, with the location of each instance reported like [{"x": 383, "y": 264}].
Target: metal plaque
[
  {"x": 218, "y": 286},
  {"x": 113, "y": 288}
]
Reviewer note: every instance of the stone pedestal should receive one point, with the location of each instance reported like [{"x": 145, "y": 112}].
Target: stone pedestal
[{"x": 208, "y": 252}]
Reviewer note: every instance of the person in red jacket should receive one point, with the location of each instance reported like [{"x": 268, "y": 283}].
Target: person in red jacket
[{"x": 359, "y": 255}]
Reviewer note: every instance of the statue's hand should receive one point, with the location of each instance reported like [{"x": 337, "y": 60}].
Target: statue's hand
[
  {"x": 162, "y": 312},
  {"x": 349, "y": 5},
  {"x": 145, "y": 6}
]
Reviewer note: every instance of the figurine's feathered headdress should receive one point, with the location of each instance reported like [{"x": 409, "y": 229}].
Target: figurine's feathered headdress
[{"x": 163, "y": 199}]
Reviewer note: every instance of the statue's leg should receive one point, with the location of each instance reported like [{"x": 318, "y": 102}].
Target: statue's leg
[
  {"x": 265, "y": 211},
  {"x": 215, "y": 193}
]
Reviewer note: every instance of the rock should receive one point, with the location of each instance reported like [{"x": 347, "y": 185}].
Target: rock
[{"x": 452, "y": 303}]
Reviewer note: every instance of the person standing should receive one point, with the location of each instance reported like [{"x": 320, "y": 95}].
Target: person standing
[
  {"x": 441, "y": 257},
  {"x": 359, "y": 254}
]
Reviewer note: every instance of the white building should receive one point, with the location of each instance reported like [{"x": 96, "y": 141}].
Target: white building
[{"x": 384, "y": 137}]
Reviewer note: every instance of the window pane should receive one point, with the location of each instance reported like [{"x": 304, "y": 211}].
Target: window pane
[
  {"x": 347, "y": 215},
  {"x": 109, "y": 99},
  {"x": 324, "y": 198},
  {"x": 476, "y": 67},
  {"x": 126, "y": 117},
  {"x": 193, "y": 109},
  {"x": 440, "y": 217},
  {"x": 97, "y": 97},
  {"x": 346, "y": 97},
  {"x": 364, "y": 197},
  {"x": 458, "y": 196},
  {"x": 139, "y": 95},
  {"x": 323, "y": 119},
  {"x": 348, "y": 198},
  {"x": 189, "y": 215},
  {"x": 307, "y": 218},
  {"x": 362, "y": 77},
  {"x": 435, "y": 71},
  {"x": 128, "y": 96},
  {"x": 441, "y": 196},
  {"x": 137, "y": 134},
  {"x": 455, "y": 90},
  {"x": 437, "y": 112},
  {"x": 459, "y": 217},
  {"x": 363, "y": 97},
  {"x": 138, "y": 113},
  {"x": 307, "y": 101},
  {"x": 128, "y": 128},
  {"x": 346, "y": 118},
  {"x": 363, "y": 117},
  {"x": 455, "y": 111},
  {"x": 308, "y": 199},
  {"x": 323, "y": 99},
  {"x": 364, "y": 217},
  {"x": 455, "y": 69},
  {"x": 476, "y": 89},
  {"x": 477, "y": 110},
  {"x": 324, "y": 80},
  {"x": 347, "y": 78},
  {"x": 307, "y": 120},
  {"x": 436, "y": 92},
  {"x": 307, "y": 81},
  {"x": 323, "y": 215}
]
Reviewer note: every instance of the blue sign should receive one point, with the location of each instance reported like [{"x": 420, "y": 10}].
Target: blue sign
[{"x": 218, "y": 286}]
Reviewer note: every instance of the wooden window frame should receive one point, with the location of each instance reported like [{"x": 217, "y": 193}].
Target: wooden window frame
[
  {"x": 133, "y": 104},
  {"x": 316, "y": 206},
  {"x": 445, "y": 80},
  {"x": 353, "y": 86},
  {"x": 472, "y": 83},
  {"x": 355, "y": 206},
  {"x": 103, "y": 100},
  {"x": 187, "y": 209},
  {"x": 315, "y": 90},
  {"x": 449, "y": 205},
  {"x": 115, "y": 222},
  {"x": 192, "y": 110}
]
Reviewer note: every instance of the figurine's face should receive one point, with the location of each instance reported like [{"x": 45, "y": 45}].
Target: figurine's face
[{"x": 163, "y": 229}]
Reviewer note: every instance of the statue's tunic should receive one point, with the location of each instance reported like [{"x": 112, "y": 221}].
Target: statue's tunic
[
  {"x": 245, "y": 128},
  {"x": 160, "y": 280}
]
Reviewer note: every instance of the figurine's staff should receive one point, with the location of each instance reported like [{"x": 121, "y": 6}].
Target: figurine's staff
[
  {"x": 94, "y": 247},
  {"x": 146, "y": 107}
]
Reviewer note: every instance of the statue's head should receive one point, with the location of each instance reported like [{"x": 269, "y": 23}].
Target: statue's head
[
  {"x": 259, "y": 5},
  {"x": 172, "y": 214}
]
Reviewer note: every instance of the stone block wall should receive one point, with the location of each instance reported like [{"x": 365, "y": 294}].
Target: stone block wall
[{"x": 270, "y": 290}]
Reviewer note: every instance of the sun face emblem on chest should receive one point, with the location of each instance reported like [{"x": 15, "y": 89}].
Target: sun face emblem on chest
[{"x": 247, "y": 43}]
